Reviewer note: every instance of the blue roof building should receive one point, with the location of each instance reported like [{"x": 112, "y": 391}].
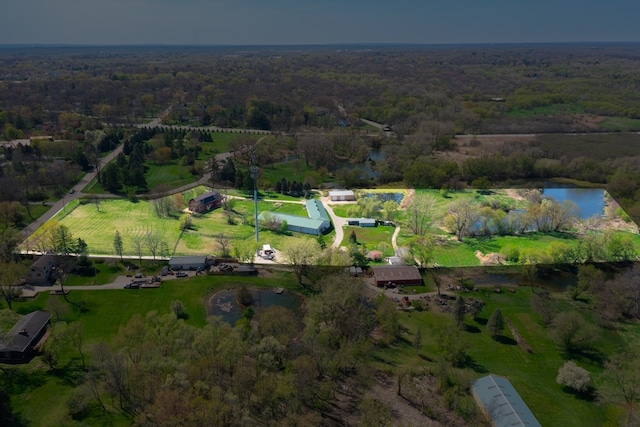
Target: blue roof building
[
  {"x": 499, "y": 400},
  {"x": 318, "y": 221}
]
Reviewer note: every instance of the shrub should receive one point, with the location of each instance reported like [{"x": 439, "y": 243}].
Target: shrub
[{"x": 574, "y": 377}]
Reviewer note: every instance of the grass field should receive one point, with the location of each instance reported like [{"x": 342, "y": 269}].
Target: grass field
[
  {"x": 371, "y": 237},
  {"x": 533, "y": 375},
  {"x": 619, "y": 124},
  {"x": 170, "y": 175}
]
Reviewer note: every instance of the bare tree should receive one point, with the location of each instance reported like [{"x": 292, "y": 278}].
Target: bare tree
[
  {"x": 11, "y": 278},
  {"x": 224, "y": 244},
  {"x": 152, "y": 240},
  {"x": 462, "y": 215},
  {"x": 420, "y": 214},
  {"x": 138, "y": 244}
]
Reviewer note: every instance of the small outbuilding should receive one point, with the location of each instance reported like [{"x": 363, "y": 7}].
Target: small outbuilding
[
  {"x": 206, "y": 202},
  {"x": 342, "y": 195},
  {"x": 396, "y": 274},
  {"x": 188, "y": 262},
  {"x": 362, "y": 222},
  {"x": 501, "y": 403},
  {"x": 23, "y": 341}
]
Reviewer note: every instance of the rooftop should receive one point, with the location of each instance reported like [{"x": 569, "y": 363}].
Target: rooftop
[
  {"x": 25, "y": 330},
  {"x": 502, "y": 402},
  {"x": 316, "y": 210},
  {"x": 393, "y": 273}
]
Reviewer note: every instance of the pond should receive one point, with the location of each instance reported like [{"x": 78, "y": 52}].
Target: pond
[
  {"x": 224, "y": 303},
  {"x": 385, "y": 197},
  {"x": 590, "y": 201}
]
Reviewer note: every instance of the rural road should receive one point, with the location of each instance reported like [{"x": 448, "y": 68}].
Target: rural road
[{"x": 74, "y": 194}]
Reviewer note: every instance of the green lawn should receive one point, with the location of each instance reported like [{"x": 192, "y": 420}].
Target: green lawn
[
  {"x": 619, "y": 124},
  {"x": 371, "y": 237},
  {"x": 533, "y": 375},
  {"x": 295, "y": 170},
  {"x": 343, "y": 209},
  {"x": 170, "y": 175}
]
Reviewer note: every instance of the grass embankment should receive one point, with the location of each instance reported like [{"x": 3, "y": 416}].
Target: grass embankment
[{"x": 41, "y": 396}]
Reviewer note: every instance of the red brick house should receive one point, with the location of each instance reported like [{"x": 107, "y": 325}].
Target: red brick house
[{"x": 206, "y": 202}]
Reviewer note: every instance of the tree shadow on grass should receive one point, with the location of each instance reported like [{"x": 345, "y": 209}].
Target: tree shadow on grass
[
  {"x": 589, "y": 395},
  {"x": 472, "y": 329},
  {"x": 469, "y": 362},
  {"x": 69, "y": 374},
  {"x": 481, "y": 321},
  {"x": 506, "y": 340},
  {"x": 18, "y": 381},
  {"x": 590, "y": 355}
]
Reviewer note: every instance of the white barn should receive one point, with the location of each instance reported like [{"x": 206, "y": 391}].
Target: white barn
[{"x": 342, "y": 195}]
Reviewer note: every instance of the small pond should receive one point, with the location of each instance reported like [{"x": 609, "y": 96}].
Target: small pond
[
  {"x": 224, "y": 303},
  {"x": 385, "y": 197},
  {"x": 590, "y": 201}
]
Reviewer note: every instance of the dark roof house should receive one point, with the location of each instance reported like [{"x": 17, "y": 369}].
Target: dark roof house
[
  {"x": 25, "y": 338},
  {"x": 396, "y": 274},
  {"x": 205, "y": 202},
  {"x": 40, "y": 271}
]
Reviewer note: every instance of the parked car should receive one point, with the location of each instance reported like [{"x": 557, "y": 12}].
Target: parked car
[
  {"x": 181, "y": 274},
  {"x": 132, "y": 286}
]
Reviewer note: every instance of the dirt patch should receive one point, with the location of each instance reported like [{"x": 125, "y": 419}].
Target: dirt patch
[
  {"x": 408, "y": 198},
  {"x": 491, "y": 258}
]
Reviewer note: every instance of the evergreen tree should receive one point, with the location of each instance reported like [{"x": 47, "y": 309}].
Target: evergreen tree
[
  {"x": 459, "y": 310},
  {"x": 117, "y": 244},
  {"x": 495, "y": 324}
]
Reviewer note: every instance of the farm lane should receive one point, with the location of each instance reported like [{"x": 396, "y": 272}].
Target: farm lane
[{"x": 338, "y": 223}]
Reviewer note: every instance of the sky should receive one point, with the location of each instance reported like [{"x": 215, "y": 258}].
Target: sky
[{"x": 272, "y": 22}]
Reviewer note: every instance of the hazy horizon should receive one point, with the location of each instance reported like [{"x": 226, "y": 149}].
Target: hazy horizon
[{"x": 301, "y": 22}]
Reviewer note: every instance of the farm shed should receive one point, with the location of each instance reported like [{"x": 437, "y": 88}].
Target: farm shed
[
  {"x": 501, "y": 402},
  {"x": 25, "y": 338},
  {"x": 362, "y": 222},
  {"x": 188, "y": 262},
  {"x": 397, "y": 274},
  {"x": 205, "y": 202},
  {"x": 342, "y": 195},
  {"x": 40, "y": 271},
  {"x": 298, "y": 223}
]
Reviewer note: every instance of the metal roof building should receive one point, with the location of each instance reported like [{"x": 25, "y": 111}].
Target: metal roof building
[
  {"x": 501, "y": 402},
  {"x": 298, "y": 223},
  {"x": 316, "y": 210}
]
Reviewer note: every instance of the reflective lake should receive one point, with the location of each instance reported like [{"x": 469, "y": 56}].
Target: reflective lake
[
  {"x": 590, "y": 201},
  {"x": 224, "y": 303}
]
